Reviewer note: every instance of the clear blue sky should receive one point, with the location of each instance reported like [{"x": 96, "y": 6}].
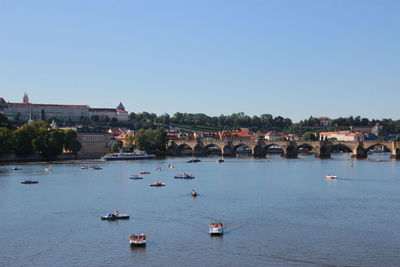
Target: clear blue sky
[{"x": 291, "y": 58}]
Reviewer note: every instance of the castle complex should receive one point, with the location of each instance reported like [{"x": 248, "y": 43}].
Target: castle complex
[{"x": 26, "y": 111}]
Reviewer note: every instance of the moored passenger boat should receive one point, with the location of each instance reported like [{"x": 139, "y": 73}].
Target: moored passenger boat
[
  {"x": 137, "y": 240},
  {"x": 216, "y": 229},
  {"x": 128, "y": 156}
]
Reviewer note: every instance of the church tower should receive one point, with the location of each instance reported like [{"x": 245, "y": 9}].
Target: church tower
[{"x": 25, "y": 100}]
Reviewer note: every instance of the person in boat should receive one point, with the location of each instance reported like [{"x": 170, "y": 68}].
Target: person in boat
[{"x": 115, "y": 213}]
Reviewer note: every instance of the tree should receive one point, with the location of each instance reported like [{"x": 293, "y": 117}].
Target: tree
[
  {"x": 308, "y": 136},
  {"x": 114, "y": 147},
  {"x": 49, "y": 143},
  {"x": 4, "y": 121},
  {"x": 5, "y": 140},
  {"x": 151, "y": 140},
  {"x": 71, "y": 141}
]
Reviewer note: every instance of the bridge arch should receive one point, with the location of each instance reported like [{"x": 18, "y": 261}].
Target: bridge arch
[
  {"x": 242, "y": 149},
  {"x": 305, "y": 149},
  {"x": 212, "y": 149},
  {"x": 341, "y": 148},
  {"x": 184, "y": 149},
  {"x": 368, "y": 148}
]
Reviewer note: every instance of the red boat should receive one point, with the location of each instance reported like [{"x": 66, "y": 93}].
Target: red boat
[{"x": 157, "y": 184}]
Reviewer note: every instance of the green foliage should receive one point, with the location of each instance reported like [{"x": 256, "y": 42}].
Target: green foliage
[
  {"x": 39, "y": 137},
  {"x": 71, "y": 141},
  {"x": 114, "y": 147},
  {"x": 4, "y": 121},
  {"x": 5, "y": 140},
  {"x": 151, "y": 140},
  {"x": 309, "y": 136}
]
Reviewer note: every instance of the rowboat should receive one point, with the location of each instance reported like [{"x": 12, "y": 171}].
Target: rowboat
[
  {"x": 157, "y": 184},
  {"x": 184, "y": 176},
  {"x": 137, "y": 240},
  {"x": 115, "y": 216},
  {"x": 135, "y": 177},
  {"x": 29, "y": 181},
  {"x": 216, "y": 229},
  {"x": 330, "y": 177}
]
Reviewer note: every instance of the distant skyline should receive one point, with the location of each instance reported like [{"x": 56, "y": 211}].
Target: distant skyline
[{"x": 290, "y": 58}]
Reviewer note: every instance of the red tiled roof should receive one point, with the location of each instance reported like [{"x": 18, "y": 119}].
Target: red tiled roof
[{"x": 46, "y": 105}]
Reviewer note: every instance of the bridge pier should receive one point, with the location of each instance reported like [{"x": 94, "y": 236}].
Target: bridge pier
[
  {"x": 291, "y": 151},
  {"x": 359, "y": 152},
  {"x": 395, "y": 154},
  {"x": 323, "y": 151}
]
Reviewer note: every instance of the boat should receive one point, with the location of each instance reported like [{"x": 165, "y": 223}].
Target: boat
[
  {"x": 158, "y": 169},
  {"x": 97, "y": 168},
  {"x": 128, "y": 156},
  {"x": 157, "y": 184},
  {"x": 49, "y": 169},
  {"x": 137, "y": 240},
  {"x": 171, "y": 166},
  {"x": 144, "y": 172},
  {"x": 135, "y": 177},
  {"x": 16, "y": 169},
  {"x": 29, "y": 181},
  {"x": 194, "y": 193},
  {"x": 220, "y": 160},
  {"x": 193, "y": 161},
  {"x": 330, "y": 177},
  {"x": 216, "y": 229},
  {"x": 115, "y": 216},
  {"x": 85, "y": 167},
  {"x": 184, "y": 176}
]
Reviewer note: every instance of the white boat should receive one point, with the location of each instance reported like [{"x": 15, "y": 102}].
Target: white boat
[
  {"x": 216, "y": 229},
  {"x": 330, "y": 177},
  {"x": 137, "y": 240},
  {"x": 128, "y": 156},
  {"x": 49, "y": 169},
  {"x": 171, "y": 166}
]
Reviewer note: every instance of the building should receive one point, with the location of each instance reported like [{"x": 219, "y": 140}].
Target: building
[
  {"x": 118, "y": 113},
  {"x": 345, "y": 136},
  {"x": 325, "y": 121},
  {"x": 26, "y": 111},
  {"x": 95, "y": 143},
  {"x": 273, "y": 136}
]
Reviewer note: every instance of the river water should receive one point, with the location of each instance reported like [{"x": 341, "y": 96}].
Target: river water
[{"x": 277, "y": 212}]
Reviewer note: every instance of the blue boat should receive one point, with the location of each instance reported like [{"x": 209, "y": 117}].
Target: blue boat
[
  {"x": 135, "y": 177},
  {"x": 184, "y": 176}
]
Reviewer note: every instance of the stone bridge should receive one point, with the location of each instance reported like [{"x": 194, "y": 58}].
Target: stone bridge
[{"x": 290, "y": 149}]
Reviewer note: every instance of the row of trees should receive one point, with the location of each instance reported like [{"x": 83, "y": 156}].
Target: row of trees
[
  {"x": 38, "y": 137},
  {"x": 223, "y": 122}
]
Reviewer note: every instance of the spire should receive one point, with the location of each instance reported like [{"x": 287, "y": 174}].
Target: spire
[
  {"x": 120, "y": 106},
  {"x": 30, "y": 116},
  {"x": 25, "y": 99}
]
